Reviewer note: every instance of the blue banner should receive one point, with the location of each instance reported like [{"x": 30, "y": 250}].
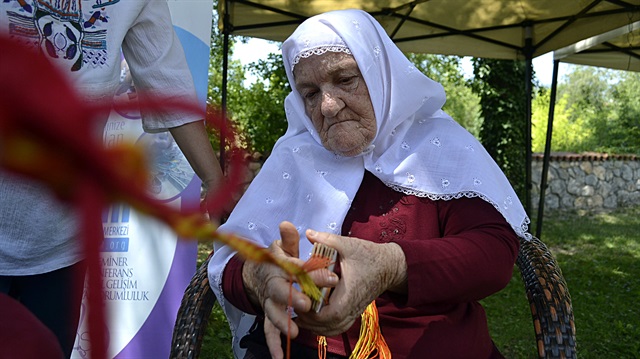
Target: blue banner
[{"x": 145, "y": 267}]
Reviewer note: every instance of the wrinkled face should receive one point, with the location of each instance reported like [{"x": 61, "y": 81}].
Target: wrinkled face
[{"x": 336, "y": 98}]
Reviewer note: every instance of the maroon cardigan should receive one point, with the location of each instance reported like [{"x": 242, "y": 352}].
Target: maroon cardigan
[{"x": 457, "y": 252}]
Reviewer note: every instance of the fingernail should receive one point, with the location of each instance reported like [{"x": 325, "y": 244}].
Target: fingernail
[
  {"x": 311, "y": 232},
  {"x": 333, "y": 279},
  {"x": 300, "y": 303}
]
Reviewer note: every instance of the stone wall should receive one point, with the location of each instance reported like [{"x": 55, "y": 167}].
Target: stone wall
[{"x": 590, "y": 182}]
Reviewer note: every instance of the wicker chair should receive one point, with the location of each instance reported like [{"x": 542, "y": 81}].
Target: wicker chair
[
  {"x": 544, "y": 284},
  {"x": 549, "y": 300}
]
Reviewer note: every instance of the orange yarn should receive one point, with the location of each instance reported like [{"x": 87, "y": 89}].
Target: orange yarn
[
  {"x": 371, "y": 343},
  {"x": 322, "y": 347}
]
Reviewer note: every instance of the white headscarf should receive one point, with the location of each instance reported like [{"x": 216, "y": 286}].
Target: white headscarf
[{"x": 418, "y": 150}]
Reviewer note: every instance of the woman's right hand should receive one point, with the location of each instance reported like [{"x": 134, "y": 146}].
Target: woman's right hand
[{"x": 270, "y": 287}]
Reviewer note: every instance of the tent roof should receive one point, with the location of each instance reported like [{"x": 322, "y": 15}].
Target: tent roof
[
  {"x": 617, "y": 49},
  {"x": 479, "y": 28}
]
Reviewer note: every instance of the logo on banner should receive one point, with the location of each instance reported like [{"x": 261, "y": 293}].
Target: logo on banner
[
  {"x": 119, "y": 280},
  {"x": 115, "y": 225}
]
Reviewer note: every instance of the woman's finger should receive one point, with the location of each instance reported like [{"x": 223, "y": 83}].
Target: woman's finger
[
  {"x": 272, "y": 335},
  {"x": 281, "y": 292},
  {"x": 323, "y": 237},
  {"x": 325, "y": 324},
  {"x": 290, "y": 239},
  {"x": 324, "y": 277},
  {"x": 280, "y": 318}
]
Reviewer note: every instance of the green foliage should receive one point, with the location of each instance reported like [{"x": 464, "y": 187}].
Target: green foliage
[
  {"x": 235, "y": 73},
  {"x": 261, "y": 116},
  {"x": 596, "y": 110},
  {"x": 568, "y": 135},
  {"x": 500, "y": 85},
  {"x": 625, "y": 134},
  {"x": 235, "y": 77},
  {"x": 586, "y": 87},
  {"x": 257, "y": 111},
  {"x": 462, "y": 104},
  {"x": 216, "y": 342}
]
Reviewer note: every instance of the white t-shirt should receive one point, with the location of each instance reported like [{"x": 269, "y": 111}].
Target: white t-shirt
[{"x": 87, "y": 40}]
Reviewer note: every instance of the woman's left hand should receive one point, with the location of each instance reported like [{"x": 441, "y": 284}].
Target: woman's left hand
[{"x": 367, "y": 270}]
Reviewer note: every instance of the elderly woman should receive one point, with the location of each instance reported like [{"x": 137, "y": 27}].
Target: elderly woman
[{"x": 424, "y": 222}]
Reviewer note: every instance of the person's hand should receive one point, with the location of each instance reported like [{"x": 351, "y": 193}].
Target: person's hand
[
  {"x": 210, "y": 192},
  {"x": 272, "y": 336},
  {"x": 367, "y": 270},
  {"x": 271, "y": 288}
]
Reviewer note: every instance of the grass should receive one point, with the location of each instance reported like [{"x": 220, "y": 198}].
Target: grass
[
  {"x": 216, "y": 343},
  {"x": 600, "y": 258}
]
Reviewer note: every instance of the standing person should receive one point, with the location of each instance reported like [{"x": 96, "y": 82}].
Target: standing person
[
  {"x": 424, "y": 222},
  {"x": 41, "y": 260}
]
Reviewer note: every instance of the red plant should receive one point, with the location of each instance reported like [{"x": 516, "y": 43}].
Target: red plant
[{"x": 47, "y": 133}]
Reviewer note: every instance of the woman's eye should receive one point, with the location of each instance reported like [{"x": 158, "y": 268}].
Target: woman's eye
[
  {"x": 347, "y": 80},
  {"x": 309, "y": 95}
]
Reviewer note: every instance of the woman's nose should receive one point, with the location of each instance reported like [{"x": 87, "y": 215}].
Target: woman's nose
[{"x": 331, "y": 104}]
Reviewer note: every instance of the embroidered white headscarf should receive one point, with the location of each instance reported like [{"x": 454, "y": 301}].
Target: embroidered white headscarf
[{"x": 418, "y": 150}]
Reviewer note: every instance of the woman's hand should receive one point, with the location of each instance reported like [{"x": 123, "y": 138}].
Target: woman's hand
[
  {"x": 271, "y": 288},
  {"x": 367, "y": 270}
]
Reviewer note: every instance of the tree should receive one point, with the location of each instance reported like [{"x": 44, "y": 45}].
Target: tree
[
  {"x": 570, "y": 133},
  {"x": 462, "y": 104},
  {"x": 500, "y": 85},
  {"x": 257, "y": 112},
  {"x": 625, "y": 136},
  {"x": 235, "y": 78},
  {"x": 596, "y": 110},
  {"x": 261, "y": 115}
]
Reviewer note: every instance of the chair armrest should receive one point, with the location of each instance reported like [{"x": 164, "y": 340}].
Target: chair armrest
[
  {"x": 193, "y": 316},
  {"x": 549, "y": 300}
]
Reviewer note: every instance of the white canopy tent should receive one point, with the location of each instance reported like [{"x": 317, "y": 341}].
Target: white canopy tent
[
  {"x": 616, "y": 49},
  {"x": 500, "y": 29}
]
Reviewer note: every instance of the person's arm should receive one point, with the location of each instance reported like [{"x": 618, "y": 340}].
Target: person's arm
[
  {"x": 194, "y": 143},
  {"x": 158, "y": 66},
  {"x": 234, "y": 289},
  {"x": 473, "y": 258}
]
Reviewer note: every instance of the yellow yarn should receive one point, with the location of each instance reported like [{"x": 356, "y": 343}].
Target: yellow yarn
[
  {"x": 322, "y": 347},
  {"x": 371, "y": 343}
]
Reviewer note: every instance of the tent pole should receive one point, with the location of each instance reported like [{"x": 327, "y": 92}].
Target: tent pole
[
  {"x": 528, "y": 52},
  {"x": 547, "y": 148},
  {"x": 225, "y": 67}
]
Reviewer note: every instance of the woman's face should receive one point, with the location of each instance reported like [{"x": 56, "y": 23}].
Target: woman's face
[{"x": 336, "y": 98}]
